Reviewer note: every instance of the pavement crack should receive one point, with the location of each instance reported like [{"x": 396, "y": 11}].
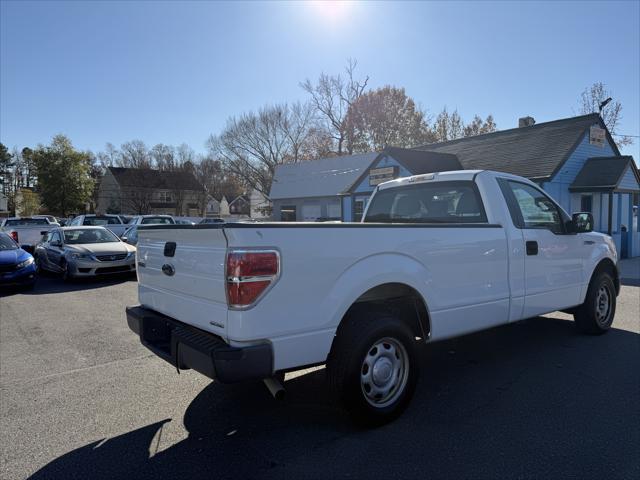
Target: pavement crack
[{"x": 74, "y": 370}]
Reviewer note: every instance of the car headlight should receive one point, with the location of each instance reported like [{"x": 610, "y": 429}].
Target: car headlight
[
  {"x": 78, "y": 256},
  {"x": 25, "y": 263}
]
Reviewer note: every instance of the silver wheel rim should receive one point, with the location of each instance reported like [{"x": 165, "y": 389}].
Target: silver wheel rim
[
  {"x": 384, "y": 372},
  {"x": 603, "y": 305}
]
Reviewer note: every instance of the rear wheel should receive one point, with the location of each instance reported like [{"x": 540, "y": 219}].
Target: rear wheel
[
  {"x": 373, "y": 369},
  {"x": 595, "y": 315}
]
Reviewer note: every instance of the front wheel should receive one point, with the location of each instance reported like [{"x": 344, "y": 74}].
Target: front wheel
[
  {"x": 595, "y": 315},
  {"x": 373, "y": 368},
  {"x": 66, "y": 274}
]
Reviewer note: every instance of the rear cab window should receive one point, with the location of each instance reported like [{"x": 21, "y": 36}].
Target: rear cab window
[
  {"x": 26, "y": 222},
  {"x": 435, "y": 202},
  {"x": 157, "y": 221},
  {"x": 101, "y": 221}
]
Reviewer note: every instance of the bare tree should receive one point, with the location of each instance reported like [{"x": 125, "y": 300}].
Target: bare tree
[
  {"x": 184, "y": 154},
  {"x": 331, "y": 97},
  {"x": 477, "y": 126},
  {"x": 447, "y": 126},
  {"x": 163, "y": 157},
  {"x": 590, "y": 101},
  {"x": 138, "y": 200},
  {"x": 253, "y": 144},
  {"x": 134, "y": 154}
]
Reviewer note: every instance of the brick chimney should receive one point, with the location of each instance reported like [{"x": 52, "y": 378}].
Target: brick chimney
[{"x": 526, "y": 122}]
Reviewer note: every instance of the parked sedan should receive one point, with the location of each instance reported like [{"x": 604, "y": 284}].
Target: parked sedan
[
  {"x": 84, "y": 252},
  {"x": 16, "y": 265}
]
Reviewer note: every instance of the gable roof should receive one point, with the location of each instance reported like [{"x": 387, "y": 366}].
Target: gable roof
[
  {"x": 603, "y": 173},
  {"x": 239, "y": 198},
  {"x": 420, "y": 161},
  {"x": 416, "y": 161},
  {"x": 536, "y": 152},
  {"x": 157, "y": 179},
  {"x": 319, "y": 178}
]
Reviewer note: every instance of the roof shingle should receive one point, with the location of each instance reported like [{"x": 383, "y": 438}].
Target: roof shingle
[
  {"x": 319, "y": 178},
  {"x": 534, "y": 152},
  {"x": 603, "y": 173}
]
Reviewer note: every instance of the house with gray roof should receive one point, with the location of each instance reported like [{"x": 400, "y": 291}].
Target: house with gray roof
[
  {"x": 142, "y": 191},
  {"x": 575, "y": 160},
  {"x": 338, "y": 188}
]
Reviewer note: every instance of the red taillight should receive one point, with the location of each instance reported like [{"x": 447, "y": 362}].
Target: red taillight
[
  {"x": 249, "y": 274},
  {"x": 14, "y": 235}
]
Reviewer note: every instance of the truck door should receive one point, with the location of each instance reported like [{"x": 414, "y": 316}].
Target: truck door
[{"x": 553, "y": 257}]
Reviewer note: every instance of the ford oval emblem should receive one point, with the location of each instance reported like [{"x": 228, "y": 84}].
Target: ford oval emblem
[{"x": 168, "y": 269}]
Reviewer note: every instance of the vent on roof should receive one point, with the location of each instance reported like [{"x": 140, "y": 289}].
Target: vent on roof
[{"x": 526, "y": 122}]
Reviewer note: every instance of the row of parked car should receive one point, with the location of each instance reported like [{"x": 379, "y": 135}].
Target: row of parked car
[{"x": 88, "y": 245}]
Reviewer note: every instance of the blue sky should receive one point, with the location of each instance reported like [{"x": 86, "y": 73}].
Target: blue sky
[{"x": 173, "y": 72}]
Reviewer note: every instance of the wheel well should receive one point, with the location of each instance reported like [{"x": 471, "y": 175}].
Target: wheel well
[
  {"x": 401, "y": 300},
  {"x": 607, "y": 265}
]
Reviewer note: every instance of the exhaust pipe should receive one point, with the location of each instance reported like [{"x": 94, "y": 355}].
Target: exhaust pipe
[{"x": 275, "y": 387}]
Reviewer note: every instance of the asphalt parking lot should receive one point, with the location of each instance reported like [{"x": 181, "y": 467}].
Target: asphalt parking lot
[{"x": 81, "y": 398}]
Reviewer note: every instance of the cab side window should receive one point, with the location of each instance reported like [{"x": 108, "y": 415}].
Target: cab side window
[{"x": 535, "y": 209}]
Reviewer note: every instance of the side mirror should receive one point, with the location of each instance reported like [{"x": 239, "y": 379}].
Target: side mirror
[
  {"x": 124, "y": 239},
  {"x": 43, "y": 232},
  {"x": 582, "y": 222}
]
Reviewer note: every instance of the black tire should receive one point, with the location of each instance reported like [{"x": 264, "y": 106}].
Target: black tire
[
  {"x": 66, "y": 276},
  {"x": 356, "y": 339},
  {"x": 595, "y": 315}
]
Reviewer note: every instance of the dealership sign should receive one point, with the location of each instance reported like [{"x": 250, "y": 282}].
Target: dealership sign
[{"x": 379, "y": 175}]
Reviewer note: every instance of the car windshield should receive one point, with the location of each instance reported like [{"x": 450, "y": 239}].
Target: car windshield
[
  {"x": 100, "y": 221},
  {"x": 6, "y": 243},
  {"x": 157, "y": 220},
  {"x": 17, "y": 222},
  {"x": 89, "y": 235}
]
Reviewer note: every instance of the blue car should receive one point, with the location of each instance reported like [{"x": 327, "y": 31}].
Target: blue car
[{"x": 16, "y": 266}]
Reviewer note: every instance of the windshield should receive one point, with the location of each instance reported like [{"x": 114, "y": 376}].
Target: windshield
[
  {"x": 6, "y": 243},
  {"x": 26, "y": 222},
  {"x": 89, "y": 235},
  {"x": 100, "y": 221},
  {"x": 441, "y": 202},
  {"x": 157, "y": 221}
]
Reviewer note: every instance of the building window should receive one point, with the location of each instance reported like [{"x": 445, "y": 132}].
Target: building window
[
  {"x": 334, "y": 211},
  {"x": 288, "y": 213},
  {"x": 164, "y": 197},
  {"x": 358, "y": 210},
  {"x": 586, "y": 203}
]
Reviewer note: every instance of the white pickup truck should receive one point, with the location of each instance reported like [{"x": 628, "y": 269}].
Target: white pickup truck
[
  {"x": 435, "y": 256},
  {"x": 27, "y": 232}
]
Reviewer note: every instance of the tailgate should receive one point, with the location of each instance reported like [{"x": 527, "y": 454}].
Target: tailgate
[{"x": 191, "y": 286}]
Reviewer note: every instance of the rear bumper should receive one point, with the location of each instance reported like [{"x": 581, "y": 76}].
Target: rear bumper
[{"x": 184, "y": 346}]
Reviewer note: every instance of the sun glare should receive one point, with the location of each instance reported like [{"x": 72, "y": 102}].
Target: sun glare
[{"x": 332, "y": 10}]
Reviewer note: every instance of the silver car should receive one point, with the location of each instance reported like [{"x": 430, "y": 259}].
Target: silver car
[{"x": 84, "y": 252}]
